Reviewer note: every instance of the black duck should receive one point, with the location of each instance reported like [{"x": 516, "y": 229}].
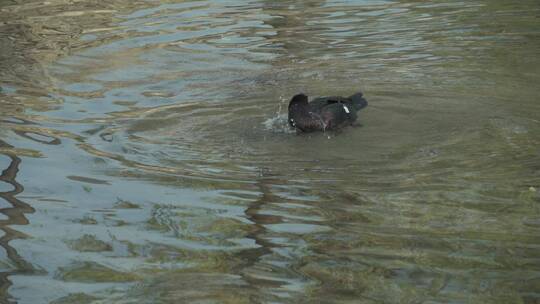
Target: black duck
[{"x": 324, "y": 113}]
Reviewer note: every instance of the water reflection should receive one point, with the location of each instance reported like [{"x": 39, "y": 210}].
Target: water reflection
[
  {"x": 13, "y": 263},
  {"x": 161, "y": 169}
]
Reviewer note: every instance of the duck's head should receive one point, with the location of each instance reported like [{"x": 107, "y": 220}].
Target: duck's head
[
  {"x": 298, "y": 100},
  {"x": 298, "y": 106}
]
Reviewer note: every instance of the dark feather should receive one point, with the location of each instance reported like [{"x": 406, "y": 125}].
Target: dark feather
[{"x": 324, "y": 113}]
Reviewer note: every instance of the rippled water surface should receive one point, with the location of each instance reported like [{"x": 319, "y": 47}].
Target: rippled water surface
[{"x": 145, "y": 155}]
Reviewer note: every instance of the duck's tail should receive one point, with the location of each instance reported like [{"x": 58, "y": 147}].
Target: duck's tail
[{"x": 358, "y": 101}]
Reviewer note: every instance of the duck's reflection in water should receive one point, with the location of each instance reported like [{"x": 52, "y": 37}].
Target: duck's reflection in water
[
  {"x": 258, "y": 231},
  {"x": 15, "y": 215}
]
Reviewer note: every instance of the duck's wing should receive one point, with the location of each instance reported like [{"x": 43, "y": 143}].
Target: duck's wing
[
  {"x": 337, "y": 115},
  {"x": 309, "y": 123},
  {"x": 318, "y": 103},
  {"x": 355, "y": 101}
]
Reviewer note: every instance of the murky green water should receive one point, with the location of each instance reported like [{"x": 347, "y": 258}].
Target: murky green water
[{"x": 146, "y": 158}]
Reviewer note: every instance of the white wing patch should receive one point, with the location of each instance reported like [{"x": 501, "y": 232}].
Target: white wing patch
[{"x": 346, "y": 109}]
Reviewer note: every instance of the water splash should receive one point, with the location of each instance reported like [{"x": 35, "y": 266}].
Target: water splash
[{"x": 279, "y": 123}]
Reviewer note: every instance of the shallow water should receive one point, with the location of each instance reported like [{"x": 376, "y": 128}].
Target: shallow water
[{"x": 146, "y": 157}]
